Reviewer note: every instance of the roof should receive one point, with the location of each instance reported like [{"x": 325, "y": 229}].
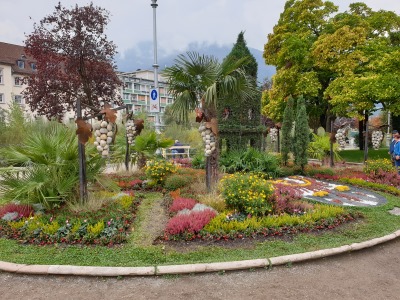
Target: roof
[{"x": 10, "y": 54}]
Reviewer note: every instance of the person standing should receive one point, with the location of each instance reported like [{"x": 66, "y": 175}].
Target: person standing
[
  {"x": 396, "y": 152},
  {"x": 391, "y": 147}
]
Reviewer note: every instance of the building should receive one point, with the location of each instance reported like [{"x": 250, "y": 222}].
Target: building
[
  {"x": 136, "y": 91},
  {"x": 14, "y": 66}
]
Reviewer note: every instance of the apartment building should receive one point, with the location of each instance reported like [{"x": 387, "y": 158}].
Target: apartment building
[
  {"x": 14, "y": 66},
  {"x": 136, "y": 91}
]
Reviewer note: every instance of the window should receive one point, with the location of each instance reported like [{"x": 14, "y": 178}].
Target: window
[
  {"x": 1, "y": 76},
  {"x": 18, "y": 99},
  {"x": 2, "y": 100},
  {"x": 128, "y": 85},
  {"x": 21, "y": 64},
  {"x": 125, "y": 96},
  {"x": 33, "y": 66},
  {"x": 17, "y": 80}
]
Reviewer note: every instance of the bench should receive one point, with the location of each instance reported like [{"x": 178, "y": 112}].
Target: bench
[{"x": 167, "y": 152}]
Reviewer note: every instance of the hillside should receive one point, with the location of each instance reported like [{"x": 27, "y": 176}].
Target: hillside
[{"x": 142, "y": 57}]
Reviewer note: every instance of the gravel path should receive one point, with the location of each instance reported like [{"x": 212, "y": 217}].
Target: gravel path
[{"x": 373, "y": 273}]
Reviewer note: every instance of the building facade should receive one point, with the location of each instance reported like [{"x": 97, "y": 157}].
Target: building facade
[
  {"x": 136, "y": 92},
  {"x": 14, "y": 67}
]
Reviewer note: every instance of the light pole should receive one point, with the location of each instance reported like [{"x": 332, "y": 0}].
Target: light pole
[{"x": 155, "y": 66}]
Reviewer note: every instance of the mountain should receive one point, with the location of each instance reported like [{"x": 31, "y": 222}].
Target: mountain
[{"x": 142, "y": 57}]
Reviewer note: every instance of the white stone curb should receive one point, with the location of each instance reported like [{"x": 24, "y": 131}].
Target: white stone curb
[{"x": 189, "y": 268}]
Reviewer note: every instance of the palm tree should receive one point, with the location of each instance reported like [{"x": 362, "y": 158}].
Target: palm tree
[{"x": 199, "y": 81}]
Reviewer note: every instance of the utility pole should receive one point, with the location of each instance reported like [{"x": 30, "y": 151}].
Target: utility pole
[{"x": 156, "y": 110}]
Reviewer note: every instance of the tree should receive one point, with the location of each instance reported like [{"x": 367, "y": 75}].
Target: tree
[
  {"x": 301, "y": 135},
  {"x": 240, "y": 118},
  {"x": 287, "y": 125},
  {"x": 289, "y": 50},
  {"x": 74, "y": 61},
  {"x": 361, "y": 48},
  {"x": 241, "y": 50},
  {"x": 198, "y": 80},
  {"x": 74, "y": 67}
]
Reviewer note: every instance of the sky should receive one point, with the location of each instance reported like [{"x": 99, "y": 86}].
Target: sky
[{"x": 179, "y": 22}]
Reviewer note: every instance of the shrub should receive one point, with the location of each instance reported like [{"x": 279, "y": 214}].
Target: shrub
[
  {"x": 190, "y": 223},
  {"x": 388, "y": 178},
  {"x": 250, "y": 160},
  {"x": 176, "y": 181},
  {"x": 248, "y": 194},
  {"x": 287, "y": 199},
  {"x": 183, "y": 162},
  {"x": 51, "y": 228},
  {"x": 157, "y": 170},
  {"x": 213, "y": 200},
  {"x": 182, "y": 203},
  {"x": 372, "y": 167},
  {"x": 23, "y": 210},
  {"x": 96, "y": 229},
  {"x": 222, "y": 224},
  {"x": 52, "y": 173},
  {"x": 320, "y": 148},
  {"x": 126, "y": 201}
]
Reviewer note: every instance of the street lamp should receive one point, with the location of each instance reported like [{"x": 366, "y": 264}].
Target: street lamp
[{"x": 155, "y": 66}]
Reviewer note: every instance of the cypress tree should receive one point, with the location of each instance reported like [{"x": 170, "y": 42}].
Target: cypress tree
[
  {"x": 286, "y": 131},
  {"x": 239, "y": 51},
  {"x": 302, "y": 134}
]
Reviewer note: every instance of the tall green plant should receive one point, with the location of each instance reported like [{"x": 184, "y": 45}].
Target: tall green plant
[
  {"x": 51, "y": 173},
  {"x": 146, "y": 146},
  {"x": 302, "y": 134},
  {"x": 319, "y": 148},
  {"x": 287, "y": 125},
  {"x": 250, "y": 160},
  {"x": 14, "y": 126}
]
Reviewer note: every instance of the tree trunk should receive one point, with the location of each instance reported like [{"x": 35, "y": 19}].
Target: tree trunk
[
  {"x": 361, "y": 134},
  {"x": 82, "y": 161}
]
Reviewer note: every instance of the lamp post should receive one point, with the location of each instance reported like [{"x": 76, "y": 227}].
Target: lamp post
[{"x": 155, "y": 66}]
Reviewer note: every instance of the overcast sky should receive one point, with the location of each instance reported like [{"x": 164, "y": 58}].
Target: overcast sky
[{"x": 179, "y": 22}]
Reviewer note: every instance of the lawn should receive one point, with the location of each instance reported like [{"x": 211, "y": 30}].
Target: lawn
[{"x": 357, "y": 156}]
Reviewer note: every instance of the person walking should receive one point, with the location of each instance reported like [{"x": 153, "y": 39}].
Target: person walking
[
  {"x": 391, "y": 147},
  {"x": 396, "y": 152}
]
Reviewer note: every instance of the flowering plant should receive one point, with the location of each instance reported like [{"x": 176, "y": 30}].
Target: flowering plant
[
  {"x": 373, "y": 166},
  {"x": 248, "y": 194},
  {"x": 320, "y": 193},
  {"x": 342, "y": 188},
  {"x": 157, "y": 170}
]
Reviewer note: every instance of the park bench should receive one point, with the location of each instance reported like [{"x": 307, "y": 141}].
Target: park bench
[{"x": 167, "y": 152}]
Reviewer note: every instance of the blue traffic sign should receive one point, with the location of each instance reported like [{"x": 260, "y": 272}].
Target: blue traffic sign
[{"x": 154, "y": 94}]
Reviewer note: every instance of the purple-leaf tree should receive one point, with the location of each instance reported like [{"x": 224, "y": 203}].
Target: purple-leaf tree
[
  {"x": 74, "y": 61},
  {"x": 74, "y": 67}
]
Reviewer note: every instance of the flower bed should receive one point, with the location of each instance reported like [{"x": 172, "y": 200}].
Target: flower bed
[{"x": 107, "y": 226}]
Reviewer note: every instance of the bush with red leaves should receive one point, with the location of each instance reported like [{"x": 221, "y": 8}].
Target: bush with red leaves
[
  {"x": 389, "y": 178},
  {"x": 23, "y": 210},
  {"x": 286, "y": 199},
  {"x": 189, "y": 223},
  {"x": 182, "y": 203}
]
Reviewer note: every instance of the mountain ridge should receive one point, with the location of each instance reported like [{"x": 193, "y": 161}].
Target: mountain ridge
[{"x": 142, "y": 57}]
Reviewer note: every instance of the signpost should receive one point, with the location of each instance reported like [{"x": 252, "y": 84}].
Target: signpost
[{"x": 154, "y": 101}]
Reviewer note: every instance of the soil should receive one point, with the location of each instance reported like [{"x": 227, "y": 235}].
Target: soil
[{"x": 372, "y": 273}]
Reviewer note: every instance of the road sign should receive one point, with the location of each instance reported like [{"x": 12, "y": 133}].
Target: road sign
[{"x": 154, "y": 101}]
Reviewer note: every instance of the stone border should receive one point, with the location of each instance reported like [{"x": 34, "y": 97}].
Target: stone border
[{"x": 189, "y": 268}]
